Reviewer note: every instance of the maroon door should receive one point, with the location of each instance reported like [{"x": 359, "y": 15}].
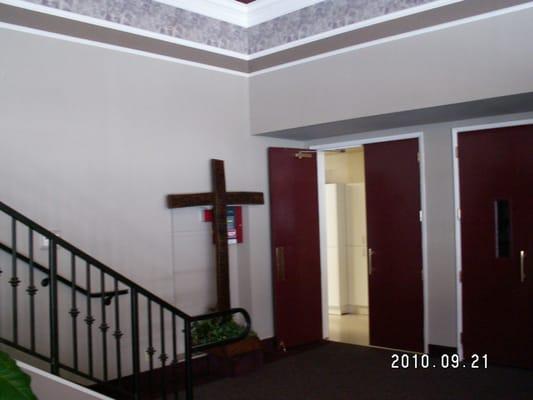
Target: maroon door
[
  {"x": 295, "y": 246},
  {"x": 496, "y": 188},
  {"x": 394, "y": 245}
]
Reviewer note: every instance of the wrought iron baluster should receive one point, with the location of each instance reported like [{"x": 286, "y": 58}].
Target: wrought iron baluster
[
  {"x": 14, "y": 281},
  {"x": 74, "y": 312},
  {"x": 89, "y": 320},
  {"x": 32, "y": 289},
  {"x": 135, "y": 347},
  {"x": 175, "y": 356},
  {"x": 188, "y": 360},
  {"x": 118, "y": 333},
  {"x": 163, "y": 357},
  {"x": 54, "y": 330},
  {"x": 103, "y": 326},
  {"x": 150, "y": 351},
  {"x": 114, "y": 279}
]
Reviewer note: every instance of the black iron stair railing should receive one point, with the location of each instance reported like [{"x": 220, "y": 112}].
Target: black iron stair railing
[
  {"x": 46, "y": 280},
  {"x": 108, "y": 351}
]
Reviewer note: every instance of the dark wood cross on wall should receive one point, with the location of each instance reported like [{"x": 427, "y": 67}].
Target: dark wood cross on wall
[{"x": 219, "y": 199}]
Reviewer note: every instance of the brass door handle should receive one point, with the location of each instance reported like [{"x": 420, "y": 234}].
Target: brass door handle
[
  {"x": 370, "y": 254},
  {"x": 280, "y": 263},
  {"x": 522, "y": 267}
]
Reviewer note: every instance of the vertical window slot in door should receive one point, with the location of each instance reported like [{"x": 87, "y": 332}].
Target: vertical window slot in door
[{"x": 503, "y": 228}]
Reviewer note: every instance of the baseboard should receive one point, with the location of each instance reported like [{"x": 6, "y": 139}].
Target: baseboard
[
  {"x": 355, "y": 309},
  {"x": 436, "y": 350},
  {"x": 348, "y": 309},
  {"x": 334, "y": 310}
]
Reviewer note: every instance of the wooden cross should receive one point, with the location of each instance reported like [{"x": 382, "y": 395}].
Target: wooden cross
[{"x": 219, "y": 199}]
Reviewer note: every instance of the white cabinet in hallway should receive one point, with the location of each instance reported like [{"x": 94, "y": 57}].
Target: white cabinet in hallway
[{"x": 346, "y": 244}]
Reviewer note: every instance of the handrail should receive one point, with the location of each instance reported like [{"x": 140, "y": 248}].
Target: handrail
[
  {"x": 60, "y": 278},
  {"x": 93, "y": 261},
  {"x": 87, "y": 257},
  {"x": 136, "y": 317}
]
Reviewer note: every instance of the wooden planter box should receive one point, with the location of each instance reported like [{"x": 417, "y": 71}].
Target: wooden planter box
[{"x": 236, "y": 359}]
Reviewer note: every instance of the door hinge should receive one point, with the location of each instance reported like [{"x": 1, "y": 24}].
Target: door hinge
[
  {"x": 420, "y": 215},
  {"x": 461, "y": 338},
  {"x": 418, "y": 156},
  {"x": 456, "y": 151},
  {"x": 461, "y": 276},
  {"x": 459, "y": 214}
]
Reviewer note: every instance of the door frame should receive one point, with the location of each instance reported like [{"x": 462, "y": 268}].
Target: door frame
[
  {"x": 457, "y": 209},
  {"x": 322, "y": 217}
]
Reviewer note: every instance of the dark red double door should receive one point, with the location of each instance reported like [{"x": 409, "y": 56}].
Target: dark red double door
[
  {"x": 496, "y": 189},
  {"x": 394, "y": 237},
  {"x": 396, "y": 302},
  {"x": 295, "y": 246}
]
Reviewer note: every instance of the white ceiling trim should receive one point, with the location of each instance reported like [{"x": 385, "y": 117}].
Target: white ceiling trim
[
  {"x": 245, "y": 15},
  {"x": 124, "y": 28}
]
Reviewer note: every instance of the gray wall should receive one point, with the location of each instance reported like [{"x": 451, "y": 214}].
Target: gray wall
[
  {"x": 482, "y": 59},
  {"x": 478, "y": 60},
  {"x": 440, "y": 217},
  {"x": 92, "y": 140}
]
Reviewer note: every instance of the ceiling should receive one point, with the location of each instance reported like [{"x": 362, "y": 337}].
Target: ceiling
[{"x": 250, "y": 13}]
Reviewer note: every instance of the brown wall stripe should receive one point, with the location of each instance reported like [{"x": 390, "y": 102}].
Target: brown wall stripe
[{"x": 81, "y": 30}]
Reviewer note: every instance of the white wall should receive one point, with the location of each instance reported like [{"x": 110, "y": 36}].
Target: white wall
[
  {"x": 356, "y": 247},
  {"x": 346, "y": 232},
  {"x": 337, "y": 269},
  {"x": 91, "y": 142},
  {"x": 46, "y": 386}
]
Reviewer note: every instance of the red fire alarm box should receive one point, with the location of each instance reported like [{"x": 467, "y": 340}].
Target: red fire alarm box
[{"x": 233, "y": 220}]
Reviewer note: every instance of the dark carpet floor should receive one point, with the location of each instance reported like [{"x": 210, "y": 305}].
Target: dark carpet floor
[{"x": 345, "y": 372}]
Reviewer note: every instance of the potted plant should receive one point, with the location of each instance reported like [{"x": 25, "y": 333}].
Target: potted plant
[
  {"x": 14, "y": 384},
  {"x": 232, "y": 359}
]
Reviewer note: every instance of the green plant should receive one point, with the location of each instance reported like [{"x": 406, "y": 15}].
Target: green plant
[
  {"x": 14, "y": 384},
  {"x": 215, "y": 330}
]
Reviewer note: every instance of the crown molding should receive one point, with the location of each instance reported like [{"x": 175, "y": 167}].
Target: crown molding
[
  {"x": 245, "y": 15},
  {"x": 233, "y": 4},
  {"x": 123, "y": 28},
  {"x": 206, "y": 61}
]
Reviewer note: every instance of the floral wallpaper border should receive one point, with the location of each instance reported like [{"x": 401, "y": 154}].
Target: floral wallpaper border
[{"x": 163, "y": 19}]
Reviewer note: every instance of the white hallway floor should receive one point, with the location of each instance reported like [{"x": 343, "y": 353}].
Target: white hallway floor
[{"x": 349, "y": 328}]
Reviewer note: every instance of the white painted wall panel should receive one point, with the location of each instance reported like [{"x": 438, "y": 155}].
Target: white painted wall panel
[
  {"x": 356, "y": 243},
  {"x": 92, "y": 140}
]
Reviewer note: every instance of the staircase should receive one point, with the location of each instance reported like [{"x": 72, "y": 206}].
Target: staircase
[{"x": 87, "y": 323}]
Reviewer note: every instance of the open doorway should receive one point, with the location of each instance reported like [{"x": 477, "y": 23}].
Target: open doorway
[
  {"x": 347, "y": 270},
  {"x": 390, "y": 246},
  {"x": 395, "y": 234}
]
